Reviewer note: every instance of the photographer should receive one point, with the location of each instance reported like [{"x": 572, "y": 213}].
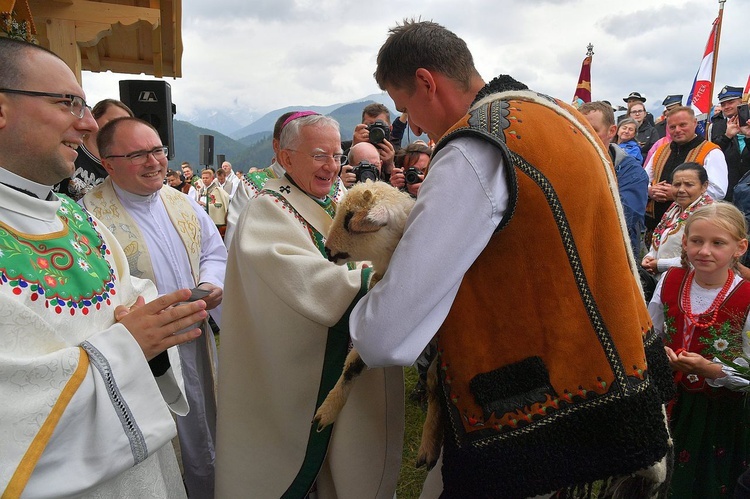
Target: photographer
[
  {"x": 411, "y": 167},
  {"x": 363, "y": 163},
  {"x": 376, "y": 129}
]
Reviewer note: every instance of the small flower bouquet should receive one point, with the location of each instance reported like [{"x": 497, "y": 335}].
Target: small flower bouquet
[{"x": 740, "y": 364}]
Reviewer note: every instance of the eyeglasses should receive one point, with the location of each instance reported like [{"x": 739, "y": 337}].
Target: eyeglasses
[
  {"x": 322, "y": 159},
  {"x": 639, "y": 111},
  {"x": 138, "y": 158},
  {"x": 76, "y": 105}
]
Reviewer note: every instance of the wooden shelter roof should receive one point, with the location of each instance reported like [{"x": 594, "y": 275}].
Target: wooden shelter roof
[{"x": 123, "y": 36}]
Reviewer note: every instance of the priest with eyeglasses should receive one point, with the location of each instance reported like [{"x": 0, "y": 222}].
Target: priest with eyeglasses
[
  {"x": 88, "y": 374},
  {"x": 170, "y": 240}
]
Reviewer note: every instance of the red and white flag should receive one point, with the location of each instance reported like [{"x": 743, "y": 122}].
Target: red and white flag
[
  {"x": 700, "y": 95},
  {"x": 747, "y": 90}
]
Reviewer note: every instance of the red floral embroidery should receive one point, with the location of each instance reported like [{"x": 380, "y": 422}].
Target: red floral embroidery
[
  {"x": 50, "y": 281},
  {"x": 43, "y": 263}
]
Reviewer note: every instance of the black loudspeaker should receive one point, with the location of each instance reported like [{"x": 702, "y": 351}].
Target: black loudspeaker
[
  {"x": 152, "y": 101},
  {"x": 220, "y": 158},
  {"x": 207, "y": 150}
]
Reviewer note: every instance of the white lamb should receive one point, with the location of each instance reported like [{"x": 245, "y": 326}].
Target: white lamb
[{"x": 368, "y": 225}]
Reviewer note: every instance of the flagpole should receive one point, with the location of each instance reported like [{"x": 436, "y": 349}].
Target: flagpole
[{"x": 716, "y": 55}]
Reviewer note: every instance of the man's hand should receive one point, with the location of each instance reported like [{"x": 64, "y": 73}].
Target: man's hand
[
  {"x": 347, "y": 177},
  {"x": 361, "y": 134},
  {"x": 397, "y": 178},
  {"x": 213, "y": 299},
  {"x": 387, "y": 152},
  {"x": 153, "y": 325},
  {"x": 733, "y": 127}
]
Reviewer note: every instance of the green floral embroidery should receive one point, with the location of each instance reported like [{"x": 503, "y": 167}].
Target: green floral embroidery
[
  {"x": 257, "y": 179},
  {"x": 724, "y": 341},
  {"x": 669, "y": 327},
  {"x": 69, "y": 271}
]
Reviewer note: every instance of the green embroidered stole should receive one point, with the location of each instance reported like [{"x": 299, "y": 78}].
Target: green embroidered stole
[{"x": 68, "y": 268}]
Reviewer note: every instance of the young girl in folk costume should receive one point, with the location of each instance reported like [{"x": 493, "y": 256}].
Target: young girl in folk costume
[{"x": 701, "y": 310}]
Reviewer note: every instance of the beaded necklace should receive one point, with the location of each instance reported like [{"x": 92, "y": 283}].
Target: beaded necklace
[{"x": 713, "y": 310}]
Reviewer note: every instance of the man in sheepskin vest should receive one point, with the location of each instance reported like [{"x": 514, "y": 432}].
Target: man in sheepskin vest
[{"x": 550, "y": 375}]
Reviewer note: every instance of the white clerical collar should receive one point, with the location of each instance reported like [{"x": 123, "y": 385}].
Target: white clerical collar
[
  {"x": 132, "y": 197},
  {"x": 39, "y": 190}
]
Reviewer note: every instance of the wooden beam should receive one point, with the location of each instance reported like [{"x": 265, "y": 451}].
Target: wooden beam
[
  {"x": 61, "y": 35},
  {"x": 156, "y": 49},
  {"x": 126, "y": 66},
  {"x": 100, "y": 12},
  {"x": 92, "y": 56}
]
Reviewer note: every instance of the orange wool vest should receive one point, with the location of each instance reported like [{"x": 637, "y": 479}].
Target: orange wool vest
[{"x": 543, "y": 365}]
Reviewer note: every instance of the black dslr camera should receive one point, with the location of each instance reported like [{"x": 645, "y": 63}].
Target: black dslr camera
[
  {"x": 366, "y": 171},
  {"x": 379, "y": 131},
  {"x": 412, "y": 175}
]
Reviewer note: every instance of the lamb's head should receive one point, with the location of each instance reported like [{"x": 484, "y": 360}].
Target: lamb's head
[{"x": 369, "y": 223}]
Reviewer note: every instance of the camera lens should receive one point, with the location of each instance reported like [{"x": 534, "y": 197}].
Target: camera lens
[
  {"x": 412, "y": 176},
  {"x": 377, "y": 135}
]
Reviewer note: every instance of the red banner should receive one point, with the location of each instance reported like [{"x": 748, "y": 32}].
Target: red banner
[{"x": 583, "y": 89}]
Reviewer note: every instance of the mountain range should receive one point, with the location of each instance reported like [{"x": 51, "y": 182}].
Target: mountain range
[{"x": 250, "y": 145}]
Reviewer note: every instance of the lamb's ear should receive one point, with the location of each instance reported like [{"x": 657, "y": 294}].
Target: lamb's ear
[
  {"x": 370, "y": 221},
  {"x": 378, "y": 214}
]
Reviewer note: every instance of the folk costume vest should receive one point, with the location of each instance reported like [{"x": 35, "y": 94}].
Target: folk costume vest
[
  {"x": 217, "y": 202},
  {"x": 668, "y": 157},
  {"x": 721, "y": 339},
  {"x": 543, "y": 355}
]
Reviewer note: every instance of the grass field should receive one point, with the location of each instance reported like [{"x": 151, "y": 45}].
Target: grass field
[{"x": 411, "y": 479}]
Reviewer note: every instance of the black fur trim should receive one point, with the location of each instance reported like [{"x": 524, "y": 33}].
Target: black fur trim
[
  {"x": 509, "y": 387},
  {"x": 594, "y": 442},
  {"x": 502, "y": 83},
  {"x": 659, "y": 370}
]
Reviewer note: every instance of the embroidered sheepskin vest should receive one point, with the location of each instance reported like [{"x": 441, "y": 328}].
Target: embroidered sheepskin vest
[{"x": 543, "y": 354}]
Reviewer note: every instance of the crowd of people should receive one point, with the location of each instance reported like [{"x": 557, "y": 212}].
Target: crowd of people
[{"x": 555, "y": 370}]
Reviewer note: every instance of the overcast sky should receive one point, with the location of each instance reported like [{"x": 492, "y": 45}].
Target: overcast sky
[{"x": 246, "y": 58}]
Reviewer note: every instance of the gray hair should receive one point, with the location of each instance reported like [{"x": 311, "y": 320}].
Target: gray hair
[
  {"x": 627, "y": 121},
  {"x": 291, "y": 133}
]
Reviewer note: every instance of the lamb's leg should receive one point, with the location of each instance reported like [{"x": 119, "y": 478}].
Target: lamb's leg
[
  {"x": 432, "y": 431},
  {"x": 334, "y": 402}
]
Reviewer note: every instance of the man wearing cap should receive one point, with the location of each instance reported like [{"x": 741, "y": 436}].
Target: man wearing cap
[
  {"x": 725, "y": 132},
  {"x": 285, "y": 338},
  {"x": 669, "y": 102}
]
